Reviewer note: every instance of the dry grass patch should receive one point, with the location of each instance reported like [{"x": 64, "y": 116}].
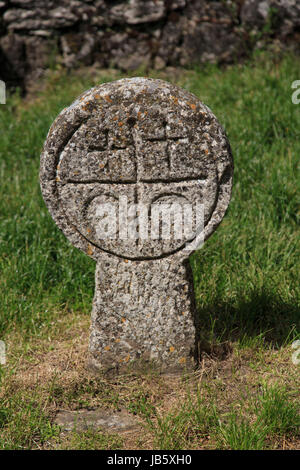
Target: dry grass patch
[{"x": 216, "y": 407}]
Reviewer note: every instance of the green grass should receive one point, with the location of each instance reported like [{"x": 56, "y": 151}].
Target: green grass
[
  {"x": 247, "y": 425},
  {"x": 240, "y": 434},
  {"x": 92, "y": 440},
  {"x": 246, "y": 276},
  {"x": 24, "y": 423},
  {"x": 275, "y": 409}
]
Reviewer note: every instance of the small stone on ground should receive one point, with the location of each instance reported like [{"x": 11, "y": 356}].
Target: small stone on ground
[{"x": 82, "y": 420}]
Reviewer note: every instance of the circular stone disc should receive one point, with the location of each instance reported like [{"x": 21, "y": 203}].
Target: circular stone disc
[{"x": 132, "y": 142}]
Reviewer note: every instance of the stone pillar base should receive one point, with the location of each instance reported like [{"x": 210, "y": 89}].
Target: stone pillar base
[{"x": 143, "y": 313}]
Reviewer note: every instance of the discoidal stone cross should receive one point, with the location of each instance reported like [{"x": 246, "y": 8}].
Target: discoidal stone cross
[{"x": 128, "y": 148}]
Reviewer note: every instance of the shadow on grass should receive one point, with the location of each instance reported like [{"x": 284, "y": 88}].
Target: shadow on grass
[{"x": 258, "y": 317}]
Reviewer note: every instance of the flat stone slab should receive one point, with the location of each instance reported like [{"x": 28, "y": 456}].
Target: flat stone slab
[{"x": 81, "y": 420}]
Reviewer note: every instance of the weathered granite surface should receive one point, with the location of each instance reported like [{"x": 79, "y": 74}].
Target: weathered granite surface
[
  {"x": 81, "y": 420},
  {"x": 129, "y": 33},
  {"x": 151, "y": 142}
]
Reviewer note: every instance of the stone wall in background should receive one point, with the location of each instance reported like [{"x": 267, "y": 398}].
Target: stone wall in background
[{"x": 35, "y": 34}]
